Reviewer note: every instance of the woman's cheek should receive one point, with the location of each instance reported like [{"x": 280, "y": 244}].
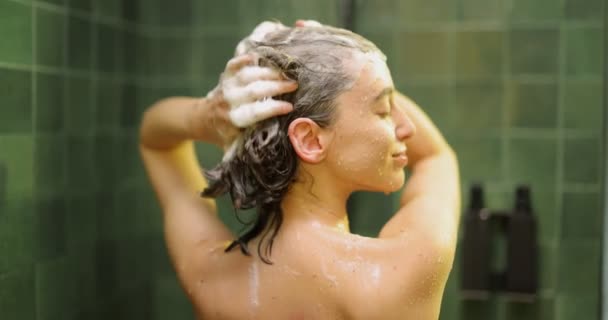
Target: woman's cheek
[{"x": 387, "y": 138}]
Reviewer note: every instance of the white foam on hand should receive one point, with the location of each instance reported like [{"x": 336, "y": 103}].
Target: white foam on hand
[
  {"x": 252, "y": 73},
  {"x": 248, "y": 114},
  {"x": 254, "y": 91},
  {"x": 248, "y": 89}
]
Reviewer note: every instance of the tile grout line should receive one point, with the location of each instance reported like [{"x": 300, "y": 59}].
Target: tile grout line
[
  {"x": 94, "y": 75},
  {"x": 603, "y": 189},
  {"x": 582, "y": 187},
  {"x": 33, "y": 69},
  {"x": 501, "y": 308},
  {"x": 64, "y": 107},
  {"x": 506, "y": 78},
  {"x": 34, "y": 108},
  {"x": 561, "y": 132},
  {"x": 559, "y": 174}
]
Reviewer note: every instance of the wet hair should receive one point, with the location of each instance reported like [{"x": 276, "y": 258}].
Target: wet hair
[{"x": 265, "y": 165}]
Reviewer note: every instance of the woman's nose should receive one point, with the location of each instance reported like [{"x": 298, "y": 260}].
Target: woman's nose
[{"x": 405, "y": 128}]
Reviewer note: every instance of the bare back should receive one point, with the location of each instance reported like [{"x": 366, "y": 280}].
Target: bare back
[{"x": 319, "y": 273}]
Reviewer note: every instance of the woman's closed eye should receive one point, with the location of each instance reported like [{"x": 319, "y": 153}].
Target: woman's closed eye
[
  {"x": 383, "y": 113},
  {"x": 383, "y": 105},
  {"x": 384, "y": 109}
]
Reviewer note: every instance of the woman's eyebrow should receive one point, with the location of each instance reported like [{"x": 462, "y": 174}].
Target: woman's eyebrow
[{"x": 384, "y": 92}]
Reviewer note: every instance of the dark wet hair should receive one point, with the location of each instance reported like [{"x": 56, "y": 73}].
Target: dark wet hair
[{"x": 265, "y": 165}]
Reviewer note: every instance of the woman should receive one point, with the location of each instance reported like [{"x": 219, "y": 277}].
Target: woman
[{"x": 334, "y": 125}]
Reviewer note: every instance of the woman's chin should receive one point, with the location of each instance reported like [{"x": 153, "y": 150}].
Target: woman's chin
[
  {"x": 397, "y": 182},
  {"x": 393, "y": 185}
]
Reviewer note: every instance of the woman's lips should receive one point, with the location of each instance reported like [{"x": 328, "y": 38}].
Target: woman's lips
[{"x": 400, "y": 158}]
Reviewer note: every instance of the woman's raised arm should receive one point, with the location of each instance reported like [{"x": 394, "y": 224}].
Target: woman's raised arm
[
  {"x": 430, "y": 203},
  {"x": 167, "y": 134}
]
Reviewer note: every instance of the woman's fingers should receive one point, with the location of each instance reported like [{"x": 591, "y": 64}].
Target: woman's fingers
[
  {"x": 257, "y": 90},
  {"x": 239, "y": 62},
  {"x": 249, "y": 74},
  {"x": 269, "y": 88},
  {"x": 248, "y": 114},
  {"x": 247, "y": 88}
]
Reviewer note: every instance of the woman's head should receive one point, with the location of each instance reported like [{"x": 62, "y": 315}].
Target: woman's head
[{"x": 334, "y": 128}]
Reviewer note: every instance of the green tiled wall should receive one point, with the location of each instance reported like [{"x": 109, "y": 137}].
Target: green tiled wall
[
  {"x": 80, "y": 232},
  {"x": 80, "y": 237}
]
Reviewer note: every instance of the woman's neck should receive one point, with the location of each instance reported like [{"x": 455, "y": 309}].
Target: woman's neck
[{"x": 316, "y": 203}]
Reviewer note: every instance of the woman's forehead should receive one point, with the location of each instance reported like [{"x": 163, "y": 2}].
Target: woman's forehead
[
  {"x": 364, "y": 91},
  {"x": 373, "y": 76}
]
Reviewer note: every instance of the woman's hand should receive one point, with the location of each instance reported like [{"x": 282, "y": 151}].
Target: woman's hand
[{"x": 242, "y": 98}]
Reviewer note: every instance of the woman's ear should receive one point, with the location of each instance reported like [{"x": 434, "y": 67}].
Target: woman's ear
[{"x": 308, "y": 140}]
